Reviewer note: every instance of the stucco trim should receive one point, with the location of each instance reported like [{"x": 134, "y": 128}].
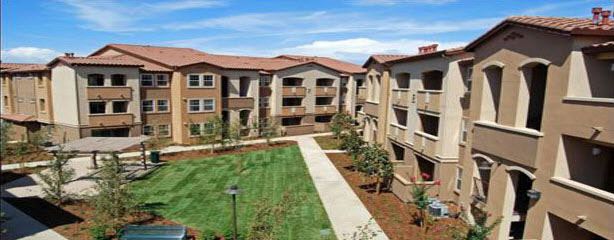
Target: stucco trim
[
  {"x": 584, "y": 188},
  {"x": 525, "y": 131},
  {"x": 522, "y": 170},
  {"x": 493, "y": 64},
  {"x": 482, "y": 156},
  {"x": 528, "y": 61}
]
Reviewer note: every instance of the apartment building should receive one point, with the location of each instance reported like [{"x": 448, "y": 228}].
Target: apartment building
[
  {"x": 26, "y": 97},
  {"x": 541, "y": 150},
  {"x": 129, "y": 90},
  {"x": 427, "y": 96}
]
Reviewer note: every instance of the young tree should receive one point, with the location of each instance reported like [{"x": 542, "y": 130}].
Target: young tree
[
  {"x": 234, "y": 134},
  {"x": 213, "y": 132},
  {"x": 268, "y": 129},
  {"x": 353, "y": 144},
  {"x": 419, "y": 193},
  {"x": 5, "y": 133},
  {"x": 114, "y": 202},
  {"x": 56, "y": 177},
  {"x": 341, "y": 123},
  {"x": 377, "y": 164},
  {"x": 480, "y": 230}
]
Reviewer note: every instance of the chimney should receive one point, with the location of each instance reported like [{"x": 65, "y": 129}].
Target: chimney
[
  {"x": 596, "y": 11},
  {"x": 69, "y": 54},
  {"x": 427, "y": 49},
  {"x": 605, "y": 17}
]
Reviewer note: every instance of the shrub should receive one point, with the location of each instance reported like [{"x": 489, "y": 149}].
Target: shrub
[{"x": 56, "y": 177}]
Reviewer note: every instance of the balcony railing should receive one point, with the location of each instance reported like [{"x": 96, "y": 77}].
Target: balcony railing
[
  {"x": 371, "y": 108},
  {"x": 362, "y": 93},
  {"x": 115, "y": 119},
  {"x": 238, "y": 103},
  {"x": 326, "y": 109},
  {"x": 293, "y": 91},
  {"x": 398, "y": 133},
  {"x": 426, "y": 143},
  {"x": 400, "y": 97},
  {"x": 326, "y": 91},
  {"x": 504, "y": 142},
  {"x": 109, "y": 93},
  {"x": 429, "y": 100},
  {"x": 293, "y": 111},
  {"x": 298, "y": 129}
]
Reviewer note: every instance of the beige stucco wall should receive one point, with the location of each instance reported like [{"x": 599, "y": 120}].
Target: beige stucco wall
[{"x": 64, "y": 85}]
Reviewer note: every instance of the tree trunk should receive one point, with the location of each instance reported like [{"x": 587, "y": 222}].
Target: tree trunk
[
  {"x": 378, "y": 185},
  {"x": 212, "y": 147}
]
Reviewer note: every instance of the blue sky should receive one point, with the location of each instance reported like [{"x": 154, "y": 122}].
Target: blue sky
[{"x": 37, "y": 31}]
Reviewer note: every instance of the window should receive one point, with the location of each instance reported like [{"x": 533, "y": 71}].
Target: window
[
  {"x": 193, "y": 80},
  {"x": 459, "y": 179},
  {"x": 208, "y": 105},
  {"x": 95, "y": 80},
  {"x": 208, "y": 128},
  {"x": 208, "y": 81},
  {"x": 265, "y": 81},
  {"x": 323, "y": 119},
  {"x": 429, "y": 124},
  {"x": 41, "y": 105},
  {"x": 194, "y": 105},
  {"x": 264, "y": 102},
  {"x": 6, "y": 101},
  {"x": 118, "y": 80},
  {"x": 148, "y": 130},
  {"x": 147, "y": 106},
  {"x": 98, "y": 107},
  {"x": 463, "y": 129},
  {"x": 468, "y": 78},
  {"x": 120, "y": 106},
  {"x": 40, "y": 81},
  {"x": 194, "y": 129},
  {"x": 162, "y": 105},
  {"x": 162, "y": 80},
  {"x": 164, "y": 130},
  {"x": 147, "y": 80}
]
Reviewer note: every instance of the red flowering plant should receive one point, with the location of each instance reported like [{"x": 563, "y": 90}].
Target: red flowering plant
[{"x": 419, "y": 193}]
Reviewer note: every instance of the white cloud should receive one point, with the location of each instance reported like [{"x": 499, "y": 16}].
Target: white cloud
[
  {"x": 357, "y": 50},
  {"x": 114, "y": 16},
  {"x": 28, "y": 55},
  {"x": 396, "y": 2},
  {"x": 552, "y": 8}
]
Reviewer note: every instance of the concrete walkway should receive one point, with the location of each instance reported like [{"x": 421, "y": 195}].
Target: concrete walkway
[
  {"x": 22, "y": 226},
  {"x": 345, "y": 210}
]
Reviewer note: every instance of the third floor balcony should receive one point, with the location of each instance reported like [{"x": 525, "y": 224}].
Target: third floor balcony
[{"x": 400, "y": 97}]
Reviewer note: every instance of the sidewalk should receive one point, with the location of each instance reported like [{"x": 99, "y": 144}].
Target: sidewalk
[{"x": 345, "y": 210}]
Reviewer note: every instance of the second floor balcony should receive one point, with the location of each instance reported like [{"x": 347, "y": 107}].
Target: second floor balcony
[
  {"x": 326, "y": 91},
  {"x": 325, "y": 109},
  {"x": 398, "y": 133},
  {"x": 293, "y": 91},
  {"x": 504, "y": 142},
  {"x": 115, "y": 119},
  {"x": 237, "y": 102},
  {"x": 400, "y": 97},
  {"x": 361, "y": 94},
  {"x": 292, "y": 111},
  {"x": 104, "y": 93},
  {"x": 429, "y": 100},
  {"x": 426, "y": 144}
]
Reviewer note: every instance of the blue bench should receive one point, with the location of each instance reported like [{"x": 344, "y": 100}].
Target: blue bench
[{"x": 153, "y": 232}]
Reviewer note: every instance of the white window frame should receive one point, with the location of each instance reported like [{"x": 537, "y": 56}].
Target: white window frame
[
  {"x": 168, "y": 127},
  {"x": 163, "y": 80},
  {"x": 463, "y": 131},
  {"x": 90, "y": 110},
  {"x": 212, "y": 105},
  {"x": 458, "y": 180},
  {"x": 189, "y": 104},
  {"x": 153, "y": 106},
  {"x": 188, "y": 78},
  {"x": 201, "y": 80},
  {"x": 153, "y": 83},
  {"x": 153, "y": 130},
  {"x": 158, "y": 105}
]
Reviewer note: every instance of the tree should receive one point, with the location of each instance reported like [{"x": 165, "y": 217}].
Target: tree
[
  {"x": 419, "y": 193},
  {"x": 5, "y": 133},
  {"x": 353, "y": 144},
  {"x": 341, "y": 123},
  {"x": 56, "y": 177},
  {"x": 234, "y": 134},
  {"x": 114, "y": 202},
  {"x": 480, "y": 230},
  {"x": 376, "y": 164},
  {"x": 268, "y": 129},
  {"x": 213, "y": 132}
]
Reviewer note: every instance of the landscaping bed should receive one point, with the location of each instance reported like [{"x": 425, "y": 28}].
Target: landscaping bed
[
  {"x": 29, "y": 154},
  {"x": 73, "y": 219},
  {"x": 395, "y": 217},
  {"x": 328, "y": 142}
]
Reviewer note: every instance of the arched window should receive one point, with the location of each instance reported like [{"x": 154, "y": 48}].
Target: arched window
[
  {"x": 491, "y": 98},
  {"x": 531, "y": 95},
  {"x": 244, "y": 83},
  {"x": 481, "y": 177}
]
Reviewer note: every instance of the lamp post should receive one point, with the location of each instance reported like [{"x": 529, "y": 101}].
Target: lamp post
[{"x": 233, "y": 191}]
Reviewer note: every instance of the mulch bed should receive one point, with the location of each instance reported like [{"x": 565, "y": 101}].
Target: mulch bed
[
  {"x": 395, "y": 217},
  {"x": 73, "y": 219},
  {"x": 32, "y": 155}
]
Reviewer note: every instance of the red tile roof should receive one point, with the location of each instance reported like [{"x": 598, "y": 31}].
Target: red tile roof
[
  {"x": 566, "y": 26},
  {"x": 22, "y": 67},
  {"x": 18, "y": 117},
  {"x": 600, "y": 47},
  {"x": 337, "y": 65},
  {"x": 168, "y": 56},
  {"x": 119, "y": 60}
]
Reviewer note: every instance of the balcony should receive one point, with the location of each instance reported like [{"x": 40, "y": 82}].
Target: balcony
[
  {"x": 429, "y": 100},
  {"x": 293, "y": 91},
  {"x": 361, "y": 94},
  {"x": 505, "y": 142},
  {"x": 298, "y": 129},
  {"x": 326, "y": 109},
  {"x": 109, "y": 93},
  {"x": 398, "y": 133},
  {"x": 400, "y": 97},
  {"x": 238, "y": 103},
  {"x": 105, "y": 120},
  {"x": 292, "y": 111},
  {"x": 371, "y": 109},
  {"x": 426, "y": 144},
  {"x": 326, "y": 91},
  {"x": 589, "y": 115}
]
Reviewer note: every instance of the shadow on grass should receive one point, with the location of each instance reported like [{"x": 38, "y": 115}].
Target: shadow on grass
[
  {"x": 152, "y": 207},
  {"x": 48, "y": 214}
]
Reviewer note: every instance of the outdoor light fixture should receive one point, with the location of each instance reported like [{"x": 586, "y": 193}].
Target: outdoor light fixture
[
  {"x": 533, "y": 194},
  {"x": 233, "y": 191},
  {"x": 484, "y": 165},
  {"x": 596, "y": 151}
]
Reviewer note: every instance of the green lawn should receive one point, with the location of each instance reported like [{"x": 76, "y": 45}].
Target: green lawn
[
  {"x": 327, "y": 142},
  {"x": 191, "y": 192}
]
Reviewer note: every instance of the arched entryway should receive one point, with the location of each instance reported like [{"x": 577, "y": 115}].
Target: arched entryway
[
  {"x": 532, "y": 92},
  {"x": 517, "y": 201}
]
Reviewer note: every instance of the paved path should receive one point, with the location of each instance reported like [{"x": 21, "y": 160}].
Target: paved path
[
  {"x": 345, "y": 210},
  {"x": 22, "y": 226}
]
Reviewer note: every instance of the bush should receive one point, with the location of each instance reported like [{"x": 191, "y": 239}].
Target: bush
[{"x": 99, "y": 232}]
